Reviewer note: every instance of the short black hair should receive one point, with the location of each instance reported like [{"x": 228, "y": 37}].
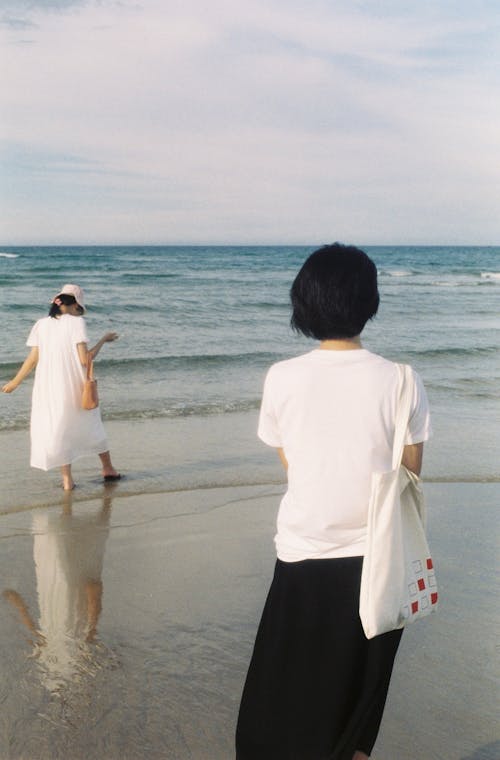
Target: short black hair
[
  {"x": 335, "y": 293},
  {"x": 66, "y": 299}
]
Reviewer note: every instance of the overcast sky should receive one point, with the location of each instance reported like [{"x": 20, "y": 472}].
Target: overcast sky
[{"x": 265, "y": 121}]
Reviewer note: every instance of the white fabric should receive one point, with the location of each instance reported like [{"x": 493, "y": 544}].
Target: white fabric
[
  {"x": 398, "y": 583},
  {"x": 61, "y": 431},
  {"x": 333, "y": 413}
]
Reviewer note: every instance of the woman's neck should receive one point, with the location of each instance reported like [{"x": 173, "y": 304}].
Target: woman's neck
[{"x": 342, "y": 344}]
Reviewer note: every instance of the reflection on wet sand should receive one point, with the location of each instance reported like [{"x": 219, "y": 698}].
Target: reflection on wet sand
[{"x": 68, "y": 552}]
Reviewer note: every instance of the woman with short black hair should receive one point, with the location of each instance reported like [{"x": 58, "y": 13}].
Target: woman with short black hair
[
  {"x": 316, "y": 687},
  {"x": 61, "y": 430}
]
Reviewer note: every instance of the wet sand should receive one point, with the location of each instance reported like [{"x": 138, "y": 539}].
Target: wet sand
[
  {"x": 185, "y": 453},
  {"x": 181, "y": 578}
]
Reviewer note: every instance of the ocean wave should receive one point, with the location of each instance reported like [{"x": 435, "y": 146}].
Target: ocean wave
[
  {"x": 4, "y": 255},
  {"x": 203, "y": 409},
  {"x": 453, "y": 352},
  {"x": 176, "y": 411},
  {"x": 397, "y": 272},
  {"x": 142, "y": 277},
  {"x": 442, "y": 279},
  {"x": 191, "y": 361},
  {"x": 449, "y": 283},
  {"x": 187, "y": 362},
  {"x": 464, "y": 388},
  {"x": 491, "y": 276}
]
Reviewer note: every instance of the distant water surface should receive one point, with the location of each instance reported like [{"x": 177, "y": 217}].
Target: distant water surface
[{"x": 199, "y": 327}]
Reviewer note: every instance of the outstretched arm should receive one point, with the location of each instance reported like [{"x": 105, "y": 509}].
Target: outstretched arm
[
  {"x": 16, "y": 600},
  {"x": 84, "y": 352},
  {"x": 29, "y": 364}
]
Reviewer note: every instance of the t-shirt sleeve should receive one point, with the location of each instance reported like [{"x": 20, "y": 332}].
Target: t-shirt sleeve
[
  {"x": 268, "y": 430},
  {"x": 33, "y": 336},
  {"x": 79, "y": 330},
  {"x": 419, "y": 426}
]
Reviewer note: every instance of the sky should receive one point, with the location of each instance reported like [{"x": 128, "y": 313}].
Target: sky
[{"x": 265, "y": 121}]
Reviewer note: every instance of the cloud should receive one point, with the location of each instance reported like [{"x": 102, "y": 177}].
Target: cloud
[
  {"x": 262, "y": 120},
  {"x": 16, "y": 24},
  {"x": 44, "y": 5}
]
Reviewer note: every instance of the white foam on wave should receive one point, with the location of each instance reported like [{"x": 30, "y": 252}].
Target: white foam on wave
[
  {"x": 398, "y": 273},
  {"x": 495, "y": 276},
  {"x": 446, "y": 283},
  {"x": 8, "y": 255}
]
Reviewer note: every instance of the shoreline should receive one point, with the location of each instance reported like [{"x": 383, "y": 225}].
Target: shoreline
[
  {"x": 57, "y": 498},
  {"x": 183, "y": 454}
]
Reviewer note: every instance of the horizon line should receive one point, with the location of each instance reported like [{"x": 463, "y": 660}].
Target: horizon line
[{"x": 242, "y": 245}]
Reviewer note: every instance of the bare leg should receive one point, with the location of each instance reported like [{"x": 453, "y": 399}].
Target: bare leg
[
  {"x": 68, "y": 482},
  {"x": 360, "y": 756},
  {"x": 93, "y": 591},
  {"x": 107, "y": 467}
]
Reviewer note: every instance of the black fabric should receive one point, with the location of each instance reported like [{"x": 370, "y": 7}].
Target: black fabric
[{"x": 316, "y": 686}]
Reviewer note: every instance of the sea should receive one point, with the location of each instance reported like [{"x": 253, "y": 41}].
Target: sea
[{"x": 199, "y": 326}]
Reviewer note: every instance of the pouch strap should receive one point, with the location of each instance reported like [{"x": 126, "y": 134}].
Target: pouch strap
[{"x": 90, "y": 368}]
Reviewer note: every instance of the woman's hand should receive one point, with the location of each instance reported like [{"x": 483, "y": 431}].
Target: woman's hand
[
  {"x": 9, "y": 387},
  {"x": 29, "y": 364},
  {"x": 84, "y": 352},
  {"x": 110, "y": 337}
]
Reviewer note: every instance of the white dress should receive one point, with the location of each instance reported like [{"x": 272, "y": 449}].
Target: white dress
[{"x": 61, "y": 431}]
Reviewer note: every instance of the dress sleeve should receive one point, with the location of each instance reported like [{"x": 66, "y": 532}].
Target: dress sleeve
[
  {"x": 268, "y": 430},
  {"x": 419, "y": 426},
  {"x": 33, "y": 336},
  {"x": 79, "y": 330}
]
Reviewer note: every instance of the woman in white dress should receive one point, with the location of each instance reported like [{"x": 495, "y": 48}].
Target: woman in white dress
[{"x": 61, "y": 431}]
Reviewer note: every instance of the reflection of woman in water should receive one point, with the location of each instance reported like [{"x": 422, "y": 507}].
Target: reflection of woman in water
[
  {"x": 68, "y": 551},
  {"x": 61, "y": 431}
]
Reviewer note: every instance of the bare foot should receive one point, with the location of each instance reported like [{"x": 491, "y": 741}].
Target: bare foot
[
  {"x": 110, "y": 472},
  {"x": 67, "y": 479}
]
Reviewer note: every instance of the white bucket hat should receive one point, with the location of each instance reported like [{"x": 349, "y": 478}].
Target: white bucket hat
[{"x": 75, "y": 291}]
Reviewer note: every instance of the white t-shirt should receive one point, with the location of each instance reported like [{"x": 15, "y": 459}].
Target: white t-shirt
[{"x": 333, "y": 413}]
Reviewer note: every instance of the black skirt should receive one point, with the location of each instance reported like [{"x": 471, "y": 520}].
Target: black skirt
[{"x": 316, "y": 686}]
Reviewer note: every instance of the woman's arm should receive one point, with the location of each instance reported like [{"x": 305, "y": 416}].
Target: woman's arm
[
  {"x": 412, "y": 457},
  {"x": 84, "y": 352},
  {"x": 18, "y": 602},
  {"x": 283, "y": 458},
  {"x": 29, "y": 364}
]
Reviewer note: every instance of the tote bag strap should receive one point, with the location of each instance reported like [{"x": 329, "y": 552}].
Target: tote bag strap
[{"x": 405, "y": 396}]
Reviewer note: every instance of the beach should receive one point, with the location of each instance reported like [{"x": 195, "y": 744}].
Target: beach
[
  {"x": 184, "y": 576},
  {"x": 129, "y": 610}
]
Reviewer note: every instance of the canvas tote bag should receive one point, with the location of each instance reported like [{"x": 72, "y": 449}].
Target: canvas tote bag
[
  {"x": 398, "y": 583},
  {"x": 90, "y": 398}
]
